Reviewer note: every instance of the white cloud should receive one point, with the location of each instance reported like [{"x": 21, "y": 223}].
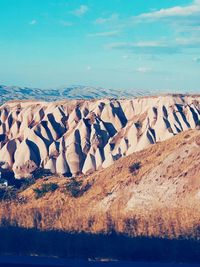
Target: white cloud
[
  {"x": 150, "y": 44},
  {"x": 184, "y": 20},
  {"x": 163, "y": 46},
  {"x": 188, "y": 42},
  {"x": 33, "y": 22},
  {"x": 66, "y": 23},
  {"x": 113, "y": 17},
  {"x": 88, "y": 68},
  {"x": 143, "y": 70},
  {"x": 104, "y": 34},
  {"x": 82, "y": 10},
  {"x": 149, "y": 47},
  {"x": 177, "y": 11},
  {"x": 125, "y": 57}
]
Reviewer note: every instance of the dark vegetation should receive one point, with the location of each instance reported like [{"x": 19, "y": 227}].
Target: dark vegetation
[
  {"x": 23, "y": 184},
  {"x": 134, "y": 168},
  {"x": 8, "y": 193},
  {"x": 75, "y": 188},
  {"x": 21, "y": 241},
  {"x": 44, "y": 189},
  {"x": 41, "y": 173}
]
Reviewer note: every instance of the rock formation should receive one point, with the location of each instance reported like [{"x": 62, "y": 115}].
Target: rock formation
[{"x": 80, "y": 136}]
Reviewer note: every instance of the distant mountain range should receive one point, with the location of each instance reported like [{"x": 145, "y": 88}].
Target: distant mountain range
[{"x": 73, "y": 92}]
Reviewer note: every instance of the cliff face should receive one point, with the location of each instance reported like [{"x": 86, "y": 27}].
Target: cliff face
[{"x": 82, "y": 136}]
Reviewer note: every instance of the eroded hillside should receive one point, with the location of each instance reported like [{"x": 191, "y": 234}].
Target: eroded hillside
[{"x": 82, "y": 136}]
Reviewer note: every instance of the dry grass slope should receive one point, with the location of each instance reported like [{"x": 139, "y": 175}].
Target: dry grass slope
[{"x": 160, "y": 198}]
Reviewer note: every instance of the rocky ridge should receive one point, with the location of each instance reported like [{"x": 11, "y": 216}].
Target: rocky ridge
[
  {"x": 8, "y": 93},
  {"x": 80, "y": 136}
]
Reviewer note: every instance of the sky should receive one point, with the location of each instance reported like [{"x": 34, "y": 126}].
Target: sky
[{"x": 124, "y": 44}]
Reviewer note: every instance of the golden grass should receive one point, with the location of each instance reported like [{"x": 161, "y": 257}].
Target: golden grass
[{"x": 103, "y": 207}]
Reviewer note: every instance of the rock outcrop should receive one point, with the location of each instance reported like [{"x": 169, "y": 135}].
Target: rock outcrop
[{"x": 80, "y": 136}]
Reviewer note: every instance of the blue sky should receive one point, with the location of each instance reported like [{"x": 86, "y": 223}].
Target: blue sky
[{"x": 146, "y": 44}]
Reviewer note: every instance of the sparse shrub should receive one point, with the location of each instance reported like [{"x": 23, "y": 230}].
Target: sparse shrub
[
  {"x": 91, "y": 221},
  {"x": 134, "y": 168},
  {"x": 130, "y": 226},
  {"x": 41, "y": 173},
  {"x": 110, "y": 224},
  {"x": 74, "y": 187},
  {"x": 26, "y": 183},
  {"x": 8, "y": 193},
  {"x": 187, "y": 136},
  {"x": 37, "y": 218},
  {"x": 45, "y": 188}
]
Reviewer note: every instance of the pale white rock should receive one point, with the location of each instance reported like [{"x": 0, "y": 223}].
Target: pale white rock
[
  {"x": 61, "y": 164},
  {"x": 74, "y": 158},
  {"x": 8, "y": 151},
  {"x": 98, "y": 159},
  {"x": 109, "y": 160},
  {"x": 14, "y": 130},
  {"x": 51, "y": 165},
  {"x": 53, "y": 149},
  {"x": 25, "y": 160},
  {"x": 89, "y": 164},
  {"x": 4, "y": 115},
  {"x": 84, "y": 135}
]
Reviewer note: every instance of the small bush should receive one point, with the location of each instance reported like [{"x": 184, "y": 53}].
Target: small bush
[
  {"x": 134, "y": 168},
  {"x": 74, "y": 187},
  {"x": 187, "y": 136},
  {"x": 8, "y": 193},
  {"x": 26, "y": 183},
  {"x": 45, "y": 188},
  {"x": 41, "y": 173}
]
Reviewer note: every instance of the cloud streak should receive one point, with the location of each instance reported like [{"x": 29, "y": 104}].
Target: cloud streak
[
  {"x": 65, "y": 23},
  {"x": 110, "y": 19},
  {"x": 156, "y": 47},
  {"x": 177, "y": 11},
  {"x": 33, "y": 22},
  {"x": 144, "y": 70},
  {"x": 81, "y": 11},
  {"x": 104, "y": 34}
]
